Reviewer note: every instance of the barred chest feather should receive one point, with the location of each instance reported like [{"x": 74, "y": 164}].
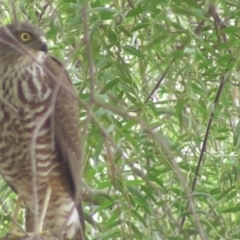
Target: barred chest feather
[{"x": 26, "y": 89}]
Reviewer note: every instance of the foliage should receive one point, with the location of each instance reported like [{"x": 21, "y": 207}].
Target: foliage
[{"x": 159, "y": 93}]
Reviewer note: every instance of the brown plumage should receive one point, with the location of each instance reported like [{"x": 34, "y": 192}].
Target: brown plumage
[{"x": 40, "y": 148}]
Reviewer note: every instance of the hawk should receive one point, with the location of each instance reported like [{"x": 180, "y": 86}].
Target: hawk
[{"x": 40, "y": 148}]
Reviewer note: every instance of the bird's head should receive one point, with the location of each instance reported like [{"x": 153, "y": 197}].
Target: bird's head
[{"x": 21, "y": 40}]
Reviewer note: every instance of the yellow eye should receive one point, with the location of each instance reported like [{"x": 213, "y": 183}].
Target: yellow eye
[{"x": 25, "y": 37}]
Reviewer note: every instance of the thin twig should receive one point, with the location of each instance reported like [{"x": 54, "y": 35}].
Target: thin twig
[
  {"x": 218, "y": 23},
  {"x": 196, "y": 31}
]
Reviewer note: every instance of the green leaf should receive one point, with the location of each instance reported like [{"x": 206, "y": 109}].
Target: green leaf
[{"x": 132, "y": 50}]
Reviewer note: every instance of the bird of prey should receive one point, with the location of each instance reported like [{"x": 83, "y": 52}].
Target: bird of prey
[{"x": 40, "y": 147}]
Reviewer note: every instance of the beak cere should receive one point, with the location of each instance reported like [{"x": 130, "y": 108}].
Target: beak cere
[{"x": 43, "y": 47}]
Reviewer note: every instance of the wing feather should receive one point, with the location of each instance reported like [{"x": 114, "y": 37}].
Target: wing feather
[{"x": 66, "y": 126}]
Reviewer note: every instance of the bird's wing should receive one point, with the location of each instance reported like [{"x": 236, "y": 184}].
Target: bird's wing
[{"x": 66, "y": 121}]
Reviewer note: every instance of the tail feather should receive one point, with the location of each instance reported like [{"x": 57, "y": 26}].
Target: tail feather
[{"x": 70, "y": 227}]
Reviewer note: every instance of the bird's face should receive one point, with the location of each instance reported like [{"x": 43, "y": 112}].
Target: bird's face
[
  {"x": 21, "y": 40},
  {"x": 33, "y": 42}
]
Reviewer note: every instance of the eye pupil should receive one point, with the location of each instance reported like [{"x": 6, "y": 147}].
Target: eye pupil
[{"x": 25, "y": 37}]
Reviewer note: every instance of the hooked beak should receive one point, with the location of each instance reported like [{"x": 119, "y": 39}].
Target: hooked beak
[{"x": 43, "y": 47}]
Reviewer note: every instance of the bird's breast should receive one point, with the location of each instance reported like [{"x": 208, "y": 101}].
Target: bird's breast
[
  {"x": 25, "y": 85},
  {"x": 27, "y": 141}
]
